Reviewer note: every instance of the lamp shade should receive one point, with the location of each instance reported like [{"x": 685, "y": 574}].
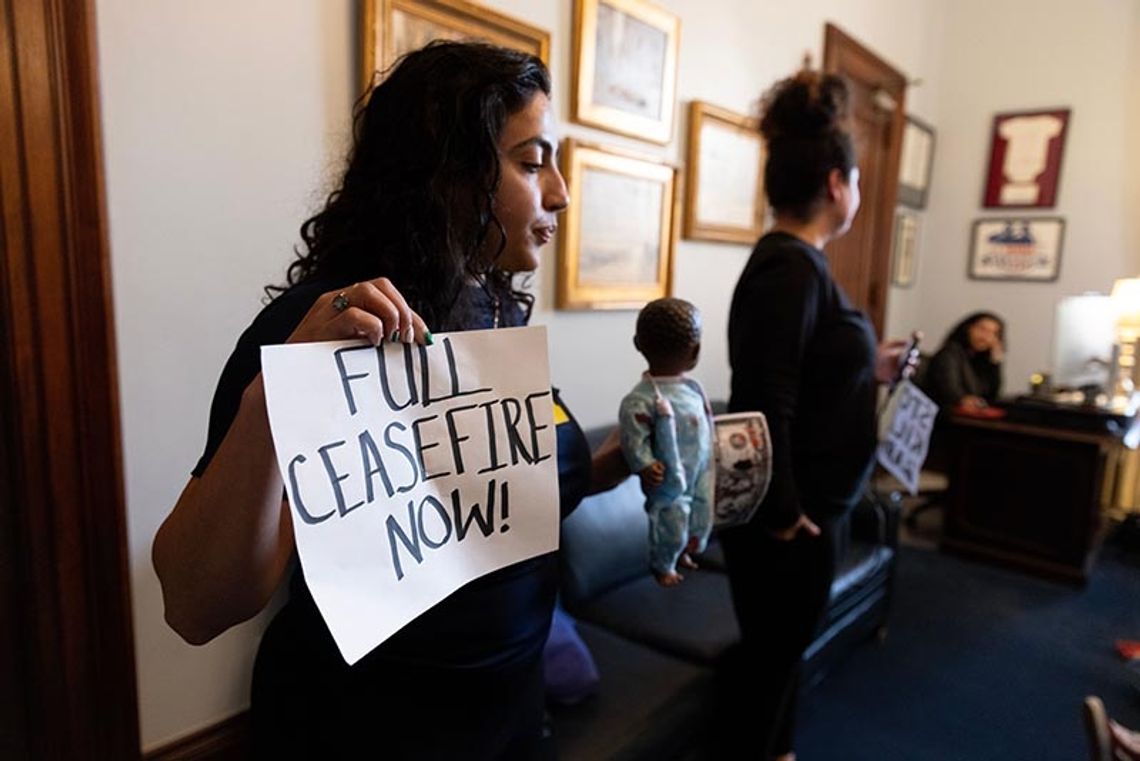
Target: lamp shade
[{"x": 1126, "y": 301}]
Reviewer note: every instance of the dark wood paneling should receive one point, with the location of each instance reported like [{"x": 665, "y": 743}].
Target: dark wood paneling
[
  {"x": 225, "y": 741},
  {"x": 861, "y": 259},
  {"x": 64, "y": 515}
]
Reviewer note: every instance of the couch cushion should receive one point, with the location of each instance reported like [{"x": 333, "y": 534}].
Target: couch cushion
[
  {"x": 693, "y": 620},
  {"x": 604, "y": 543},
  {"x": 649, "y": 706}
]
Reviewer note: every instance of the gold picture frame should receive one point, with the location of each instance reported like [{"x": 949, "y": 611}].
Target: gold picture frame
[
  {"x": 391, "y": 28},
  {"x": 625, "y": 67},
  {"x": 724, "y": 185},
  {"x": 619, "y": 238}
]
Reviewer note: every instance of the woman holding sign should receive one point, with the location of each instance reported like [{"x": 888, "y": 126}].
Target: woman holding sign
[
  {"x": 807, "y": 359},
  {"x": 451, "y": 188}
]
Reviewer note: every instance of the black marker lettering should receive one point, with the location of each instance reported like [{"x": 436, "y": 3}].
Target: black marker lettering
[
  {"x": 373, "y": 465},
  {"x": 404, "y": 451},
  {"x": 295, "y": 495},
  {"x": 346, "y": 377},
  {"x": 453, "y": 434},
  {"x": 534, "y": 429},
  {"x": 335, "y": 478},
  {"x": 442, "y": 513}
]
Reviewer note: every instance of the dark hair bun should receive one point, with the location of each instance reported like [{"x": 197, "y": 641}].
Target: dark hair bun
[{"x": 808, "y": 105}]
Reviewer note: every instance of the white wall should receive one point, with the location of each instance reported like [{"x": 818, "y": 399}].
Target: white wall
[
  {"x": 223, "y": 123},
  {"x": 1024, "y": 54},
  {"x": 220, "y": 119}
]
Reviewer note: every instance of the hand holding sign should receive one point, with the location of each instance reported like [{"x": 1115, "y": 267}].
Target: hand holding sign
[{"x": 372, "y": 309}]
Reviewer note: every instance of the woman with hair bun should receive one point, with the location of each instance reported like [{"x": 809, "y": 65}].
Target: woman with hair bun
[{"x": 806, "y": 358}]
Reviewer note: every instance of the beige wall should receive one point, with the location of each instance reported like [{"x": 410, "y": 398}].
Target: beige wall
[
  {"x": 224, "y": 123},
  {"x": 1024, "y": 54}
]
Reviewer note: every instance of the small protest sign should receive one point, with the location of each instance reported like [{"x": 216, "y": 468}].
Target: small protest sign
[
  {"x": 904, "y": 433},
  {"x": 412, "y": 470}
]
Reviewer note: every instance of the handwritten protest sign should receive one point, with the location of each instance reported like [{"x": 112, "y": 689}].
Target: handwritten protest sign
[
  {"x": 904, "y": 435},
  {"x": 412, "y": 470}
]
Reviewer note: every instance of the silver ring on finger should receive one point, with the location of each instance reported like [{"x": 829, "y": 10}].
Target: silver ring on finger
[{"x": 340, "y": 302}]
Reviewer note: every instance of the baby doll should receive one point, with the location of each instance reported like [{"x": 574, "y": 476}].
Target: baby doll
[{"x": 666, "y": 436}]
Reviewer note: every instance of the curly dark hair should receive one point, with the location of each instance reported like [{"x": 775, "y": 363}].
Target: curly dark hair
[
  {"x": 960, "y": 333},
  {"x": 416, "y": 203},
  {"x": 667, "y": 328},
  {"x": 805, "y": 124}
]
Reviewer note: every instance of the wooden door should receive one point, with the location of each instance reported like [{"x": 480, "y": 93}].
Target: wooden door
[
  {"x": 860, "y": 260},
  {"x": 67, "y": 677}
]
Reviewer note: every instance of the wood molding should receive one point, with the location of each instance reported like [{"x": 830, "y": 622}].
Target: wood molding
[
  {"x": 844, "y": 55},
  {"x": 227, "y": 740},
  {"x": 64, "y": 515}
]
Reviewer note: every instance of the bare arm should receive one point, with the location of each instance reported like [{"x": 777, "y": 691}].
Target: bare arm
[{"x": 224, "y": 548}]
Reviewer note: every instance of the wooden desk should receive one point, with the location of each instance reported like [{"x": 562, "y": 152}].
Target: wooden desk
[{"x": 1029, "y": 495}]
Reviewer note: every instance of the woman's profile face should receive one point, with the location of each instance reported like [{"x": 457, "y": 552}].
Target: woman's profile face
[
  {"x": 984, "y": 334},
  {"x": 849, "y": 201},
  {"x": 531, "y": 189}
]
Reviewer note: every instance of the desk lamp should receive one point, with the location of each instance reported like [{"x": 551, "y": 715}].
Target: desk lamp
[{"x": 1125, "y": 374}]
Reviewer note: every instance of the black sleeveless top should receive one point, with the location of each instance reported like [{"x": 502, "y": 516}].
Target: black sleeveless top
[{"x": 491, "y": 627}]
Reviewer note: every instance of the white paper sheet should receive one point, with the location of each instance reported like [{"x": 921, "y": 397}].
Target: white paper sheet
[{"x": 411, "y": 471}]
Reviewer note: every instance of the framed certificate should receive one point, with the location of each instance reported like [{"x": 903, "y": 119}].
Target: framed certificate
[
  {"x": 1017, "y": 249},
  {"x": 1025, "y": 159},
  {"x": 724, "y": 192}
]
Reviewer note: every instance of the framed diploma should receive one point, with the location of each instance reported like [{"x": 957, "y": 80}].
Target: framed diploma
[
  {"x": 1025, "y": 159},
  {"x": 916, "y": 163}
]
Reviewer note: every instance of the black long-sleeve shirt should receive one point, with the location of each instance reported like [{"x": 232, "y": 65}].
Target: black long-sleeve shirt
[
  {"x": 803, "y": 356},
  {"x": 955, "y": 373}
]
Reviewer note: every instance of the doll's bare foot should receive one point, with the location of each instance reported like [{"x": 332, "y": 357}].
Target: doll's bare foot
[
  {"x": 686, "y": 562},
  {"x": 670, "y": 579},
  {"x": 693, "y": 545}
]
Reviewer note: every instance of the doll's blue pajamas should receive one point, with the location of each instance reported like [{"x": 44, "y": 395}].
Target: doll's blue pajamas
[{"x": 668, "y": 420}]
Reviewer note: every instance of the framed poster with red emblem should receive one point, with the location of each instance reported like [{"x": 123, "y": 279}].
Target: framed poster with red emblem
[
  {"x": 1017, "y": 249},
  {"x": 1025, "y": 159}
]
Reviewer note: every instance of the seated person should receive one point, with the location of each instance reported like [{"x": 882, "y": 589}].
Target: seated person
[{"x": 966, "y": 371}]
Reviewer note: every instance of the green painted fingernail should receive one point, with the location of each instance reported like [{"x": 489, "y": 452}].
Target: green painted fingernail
[
  {"x": 428, "y": 340},
  {"x": 395, "y": 336}
]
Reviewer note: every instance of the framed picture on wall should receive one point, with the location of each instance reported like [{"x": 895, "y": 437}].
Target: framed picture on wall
[
  {"x": 616, "y": 249},
  {"x": 916, "y": 163},
  {"x": 625, "y": 67},
  {"x": 1025, "y": 159},
  {"x": 724, "y": 187},
  {"x": 904, "y": 246},
  {"x": 1010, "y": 248},
  {"x": 392, "y": 28}
]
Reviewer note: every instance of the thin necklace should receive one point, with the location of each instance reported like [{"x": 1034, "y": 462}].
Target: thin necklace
[{"x": 482, "y": 281}]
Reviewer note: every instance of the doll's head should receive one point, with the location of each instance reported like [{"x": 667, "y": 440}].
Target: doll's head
[{"x": 669, "y": 336}]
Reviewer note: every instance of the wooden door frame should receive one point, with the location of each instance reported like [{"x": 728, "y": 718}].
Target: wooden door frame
[
  {"x": 846, "y": 56},
  {"x": 70, "y": 690}
]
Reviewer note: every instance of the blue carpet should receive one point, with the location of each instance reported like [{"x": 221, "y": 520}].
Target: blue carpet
[{"x": 980, "y": 663}]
